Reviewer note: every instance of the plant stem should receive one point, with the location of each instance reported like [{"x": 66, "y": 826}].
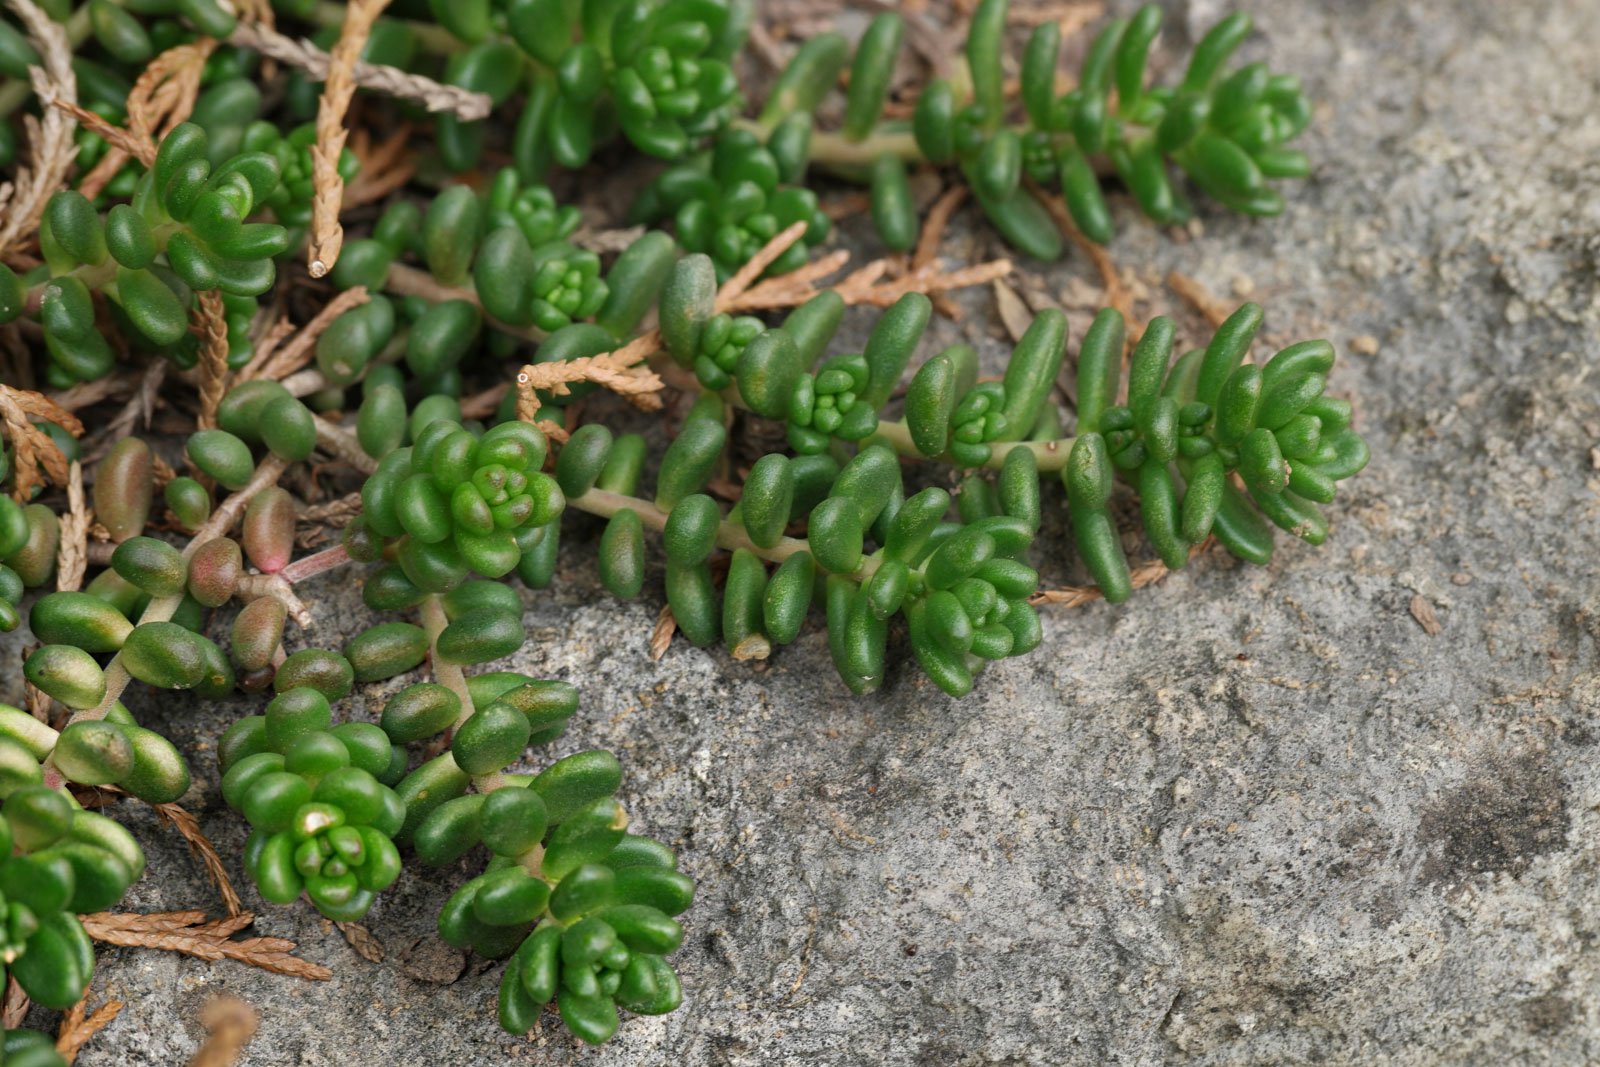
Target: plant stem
[
  {"x": 317, "y": 563},
  {"x": 161, "y": 609},
  {"x": 1050, "y": 455},
  {"x": 730, "y": 535},
  {"x": 409, "y": 281},
  {"x": 836, "y": 150},
  {"x": 453, "y": 678}
]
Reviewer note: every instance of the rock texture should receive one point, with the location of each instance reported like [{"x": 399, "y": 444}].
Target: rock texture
[{"x": 1342, "y": 809}]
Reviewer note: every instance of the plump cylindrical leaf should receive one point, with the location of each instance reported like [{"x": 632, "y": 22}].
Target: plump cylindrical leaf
[{"x": 123, "y": 488}]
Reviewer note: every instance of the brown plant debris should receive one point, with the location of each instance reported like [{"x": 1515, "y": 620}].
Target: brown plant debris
[
  {"x": 176, "y": 816},
  {"x": 1423, "y": 612},
  {"x": 32, "y": 447},
  {"x": 388, "y": 80},
  {"x": 362, "y": 940},
  {"x": 385, "y": 167},
  {"x": 618, "y": 371},
  {"x": 108, "y": 131},
  {"x": 211, "y": 323},
  {"x": 72, "y": 558},
  {"x": 138, "y": 410},
  {"x": 327, "y": 236},
  {"x": 50, "y": 142},
  {"x": 15, "y": 1008},
  {"x": 1199, "y": 297},
  {"x": 232, "y": 1023},
  {"x": 189, "y": 933},
  {"x": 661, "y": 636},
  {"x": 1116, "y": 294},
  {"x": 77, "y": 1027},
  {"x": 1143, "y": 574},
  {"x": 162, "y": 97}
]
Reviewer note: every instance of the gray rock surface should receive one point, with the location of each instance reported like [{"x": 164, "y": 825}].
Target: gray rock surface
[{"x": 1254, "y": 816}]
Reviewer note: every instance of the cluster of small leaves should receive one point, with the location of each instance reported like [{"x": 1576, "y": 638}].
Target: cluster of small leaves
[
  {"x": 56, "y": 861},
  {"x": 1209, "y": 416},
  {"x": 659, "y": 73},
  {"x": 453, "y": 502},
  {"x": 1226, "y": 131},
  {"x": 729, "y": 201},
  {"x": 583, "y": 908},
  {"x": 508, "y": 247},
  {"x": 184, "y": 232},
  {"x": 317, "y": 796}
]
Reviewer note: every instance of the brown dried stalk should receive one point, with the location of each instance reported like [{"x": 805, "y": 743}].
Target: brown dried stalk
[
  {"x": 1116, "y": 294},
  {"x": 162, "y": 97},
  {"x": 72, "y": 555},
  {"x": 385, "y": 167},
  {"x": 76, "y": 1030},
  {"x": 211, "y": 323},
  {"x": 138, "y": 410},
  {"x": 391, "y": 81},
  {"x": 1199, "y": 297},
  {"x": 206, "y": 941},
  {"x": 51, "y": 145},
  {"x": 360, "y": 938},
  {"x": 327, "y": 236},
  {"x": 176, "y": 816},
  {"x": 1076, "y": 596},
  {"x": 87, "y": 394},
  {"x": 279, "y": 364},
  {"x": 108, "y": 131},
  {"x": 618, "y": 371},
  {"x": 661, "y": 636},
  {"x": 15, "y": 1008},
  {"x": 232, "y": 1024},
  {"x": 33, "y": 447}
]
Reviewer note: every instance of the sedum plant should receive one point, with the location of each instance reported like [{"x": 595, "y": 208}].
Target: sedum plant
[
  {"x": 866, "y": 513},
  {"x": 1226, "y": 130}
]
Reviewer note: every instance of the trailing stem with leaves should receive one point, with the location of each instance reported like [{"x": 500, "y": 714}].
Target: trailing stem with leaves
[{"x": 432, "y": 387}]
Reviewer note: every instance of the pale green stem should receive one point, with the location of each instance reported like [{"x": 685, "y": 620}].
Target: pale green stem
[
  {"x": 1050, "y": 455},
  {"x": 730, "y": 535},
  {"x": 453, "y": 678}
]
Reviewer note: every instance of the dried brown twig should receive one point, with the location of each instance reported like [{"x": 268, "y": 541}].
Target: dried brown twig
[
  {"x": 1076, "y": 596},
  {"x": 211, "y": 323},
  {"x": 360, "y": 938},
  {"x": 51, "y": 145},
  {"x": 15, "y": 1008},
  {"x": 232, "y": 1023},
  {"x": 278, "y": 363},
  {"x": 388, "y": 80},
  {"x": 188, "y": 932},
  {"x": 33, "y": 447},
  {"x": 1198, "y": 297},
  {"x": 179, "y": 818},
  {"x": 327, "y": 236},
  {"x": 618, "y": 371},
  {"x": 162, "y": 97},
  {"x": 76, "y": 1029},
  {"x": 72, "y": 555}
]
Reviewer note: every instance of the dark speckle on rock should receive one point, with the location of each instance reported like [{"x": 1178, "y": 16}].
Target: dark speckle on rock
[{"x": 1505, "y": 814}]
